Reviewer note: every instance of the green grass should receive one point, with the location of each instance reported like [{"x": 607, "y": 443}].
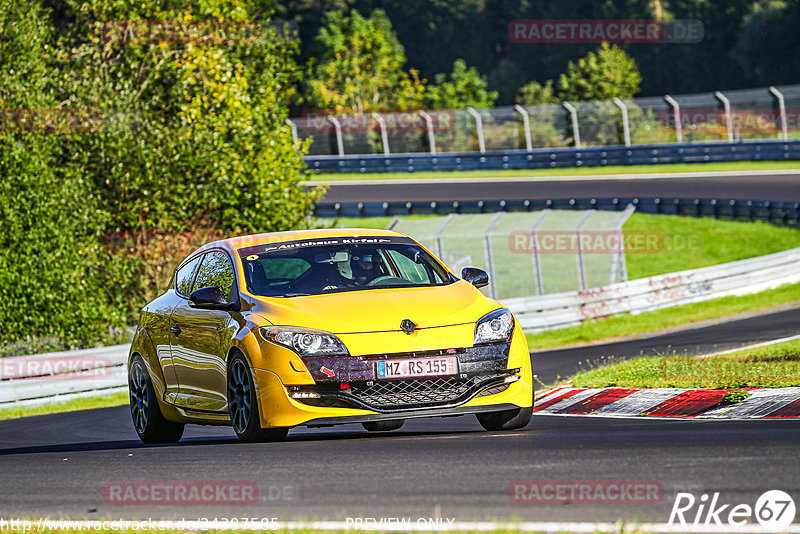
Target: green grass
[
  {"x": 86, "y": 403},
  {"x": 773, "y": 366},
  {"x": 569, "y": 171},
  {"x": 626, "y": 325}
]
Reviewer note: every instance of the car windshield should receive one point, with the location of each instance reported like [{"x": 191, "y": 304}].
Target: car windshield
[{"x": 330, "y": 265}]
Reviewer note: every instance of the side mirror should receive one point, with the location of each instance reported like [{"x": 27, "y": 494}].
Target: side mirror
[
  {"x": 476, "y": 277},
  {"x": 210, "y": 298}
]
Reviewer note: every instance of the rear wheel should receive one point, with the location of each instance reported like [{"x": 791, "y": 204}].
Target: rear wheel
[
  {"x": 506, "y": 419},
  {"x": 149, "y": 422},
  {"x": 243, "y": 405},
  {"x": 383, "y": 426}
]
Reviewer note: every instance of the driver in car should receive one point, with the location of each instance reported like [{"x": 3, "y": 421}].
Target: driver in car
[{"x": 365, "y": 266}]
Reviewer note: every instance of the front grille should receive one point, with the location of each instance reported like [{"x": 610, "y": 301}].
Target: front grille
[{"x": 392, "y": 394}]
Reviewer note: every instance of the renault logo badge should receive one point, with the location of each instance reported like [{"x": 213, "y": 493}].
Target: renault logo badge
[{"x": 408, "y": 326}]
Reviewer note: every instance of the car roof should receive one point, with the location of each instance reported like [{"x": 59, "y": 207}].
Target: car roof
[{"x": 235, "y": 243}]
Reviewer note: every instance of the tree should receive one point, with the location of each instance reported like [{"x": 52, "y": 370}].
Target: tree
[
  {"x": 463, "y": 87},
  {"x": 533, "y": 93},
  {"x": 602, "y": 75},
  {"x": 359, "y": 67},
  {"x": 49, "y": 223}
]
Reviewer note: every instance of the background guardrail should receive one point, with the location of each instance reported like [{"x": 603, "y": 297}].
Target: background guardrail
[
  {"x": 548, "y": 312},
  {"x": 103, "y": 370},
  {"x": 58, "y": 376},
  {"x": 779, "y": 213},
  {"x": 548, "y": 158}
]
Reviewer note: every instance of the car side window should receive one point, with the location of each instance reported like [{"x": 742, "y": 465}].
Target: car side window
[
  {"x": 409, "y": 269},
  {"x": 184, "y": 277},
  {"x": 215, "y": 271}
]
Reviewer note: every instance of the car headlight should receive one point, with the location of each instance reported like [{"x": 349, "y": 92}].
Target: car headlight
[
  {"x": 494, "y": 326},
  {"x": 305, "y": 341}
]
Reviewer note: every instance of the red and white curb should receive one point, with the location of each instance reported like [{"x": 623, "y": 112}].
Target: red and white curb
[{"x": 772, "y": 403}]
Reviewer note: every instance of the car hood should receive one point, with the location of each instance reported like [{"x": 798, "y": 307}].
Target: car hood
[{"x": 379, "y": 310}]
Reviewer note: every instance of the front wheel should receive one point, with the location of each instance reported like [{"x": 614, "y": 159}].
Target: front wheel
[
  {"x": 506, "y": 419},
  {"x": 149, "y": 422},
  {"x": 243, "y": 405}
]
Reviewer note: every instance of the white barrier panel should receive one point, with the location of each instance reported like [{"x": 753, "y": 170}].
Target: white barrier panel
[{"x": 548, "y": 312}]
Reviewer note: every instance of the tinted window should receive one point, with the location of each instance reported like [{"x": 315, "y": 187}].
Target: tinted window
[
  {"x": 183, "y": 278},
  {"x": 215, "y": 271},
  {"x": 306, "y": 268}
]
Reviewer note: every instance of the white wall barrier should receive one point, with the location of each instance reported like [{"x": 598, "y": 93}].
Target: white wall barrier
[
  {"x": 548, "y": 312},
  {"x": 41, "y": 378}
]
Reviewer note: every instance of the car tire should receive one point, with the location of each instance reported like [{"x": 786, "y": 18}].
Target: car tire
[
  {"x": 148, "y": 421},
  {"x": 506, "y": 419},
  {"x": 383, "y": 426},
  {"x": 243, "y": 404}
]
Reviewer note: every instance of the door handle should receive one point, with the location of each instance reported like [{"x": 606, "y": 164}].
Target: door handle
[{"x": 175, "y": 330}]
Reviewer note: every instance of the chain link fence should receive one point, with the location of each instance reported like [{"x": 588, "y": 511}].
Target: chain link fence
[
  {"x": 529, "y": 253},
  {"x": 763, "y": 113}
]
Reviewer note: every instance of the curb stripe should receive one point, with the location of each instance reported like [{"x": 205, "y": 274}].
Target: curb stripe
[
  {"x": 599, "y": 400},
  {"x": 761, "y": 403},
  {"x": 567, "y": 402},
  {"x": 670, "y": 402},
  {"x": 689, "y": 403},
  {"x": 558, "y": 398},
  {"x": 790, "y": 410},
  {"x": 640, "y": 401}
]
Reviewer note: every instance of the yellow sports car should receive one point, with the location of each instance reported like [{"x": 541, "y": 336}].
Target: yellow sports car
[{"x": 324, "y": 327}]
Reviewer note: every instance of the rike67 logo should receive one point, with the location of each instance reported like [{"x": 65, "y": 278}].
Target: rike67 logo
[{"x": 774, "y": 510}]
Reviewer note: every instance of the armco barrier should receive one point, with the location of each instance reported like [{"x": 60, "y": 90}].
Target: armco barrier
[
  {"x": 548, "y": 312},
  {"x": 548, "y": 158},
  {"x": 57, "y": 376},
  {"x": 779, "y": 213},
  {"x": 535, "y": 314}
]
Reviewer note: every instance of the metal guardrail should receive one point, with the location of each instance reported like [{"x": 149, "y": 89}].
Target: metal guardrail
[
  {"x": 59, "y": 376},
  {"x": 548, "y": 312},
  {"x": 548, "y": 158},
  {"x": 103, "y": 370},
  {"x": 778, "y": 213}
]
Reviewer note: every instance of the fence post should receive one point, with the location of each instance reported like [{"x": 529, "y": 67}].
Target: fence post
[
  {"x": 438, "y": 235},
  {"x": 479, "y": 124},
  {"x": 782, "y": 107},
  {"x": 581, "y": 269},
  {"x": 576, "y": 134},
  {"x": 293, "y": 127},
  {"x": 487, "y": 248},
  {"x": 338, "y": 127},
  {"x": 726, "y": 105},
  {"x": 384, "y": 134},
  {"x": 678, "y": 125},
  {"x": 429, "y": 123},
  {"x": 626, "y": 129},
  {"x": 526, "y": 123},
  {"x": 537, "y": 264}
]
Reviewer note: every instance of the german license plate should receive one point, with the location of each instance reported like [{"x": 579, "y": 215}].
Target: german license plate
[{"x": 417, "y": 367}]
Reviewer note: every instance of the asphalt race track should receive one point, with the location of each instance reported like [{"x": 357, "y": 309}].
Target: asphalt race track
[
  {"x": 58, "y": 465},
  {"x": 775, "y": 187}
]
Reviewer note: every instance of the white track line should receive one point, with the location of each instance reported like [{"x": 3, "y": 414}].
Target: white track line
[
  {"x": 423, "y": 525},
  {"x": 753, "y": 346},
  {"x": 571, "y": 178}
]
